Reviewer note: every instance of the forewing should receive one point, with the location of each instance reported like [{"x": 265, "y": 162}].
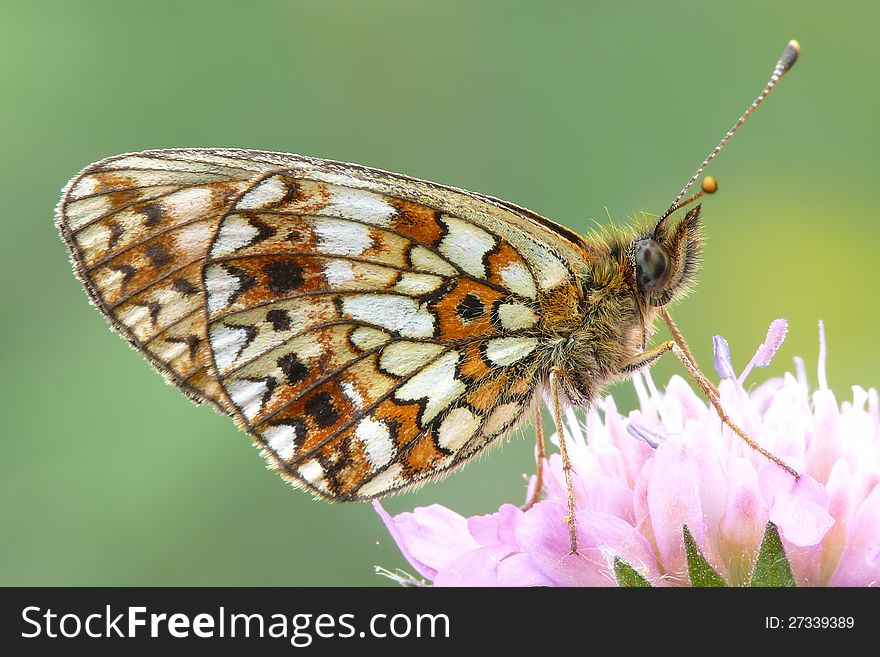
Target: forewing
[{"x": 370, "y": 331}]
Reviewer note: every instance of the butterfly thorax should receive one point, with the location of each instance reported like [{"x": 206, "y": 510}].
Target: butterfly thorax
[{"x": 597, "y": 324}]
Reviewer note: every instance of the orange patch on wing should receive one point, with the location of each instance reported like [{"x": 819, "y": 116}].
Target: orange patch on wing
[
  {"x": 422, "y": 456},
  {"x": 205, "y": 383},
  {"x": 324, "y": 410},
  {"x": 346, "y": 463},
  {"x": 486, "y": 395},
  {"x": 502, "y": 256},
  {"x": 403, "y": 418},
  {"x": 452, "y": 325},
  {"x": 416, "y": 221},
  {"x": 110, "y": 181},
  {"x": 473, "y": 365},
  {"x": 523, "y": 384}
]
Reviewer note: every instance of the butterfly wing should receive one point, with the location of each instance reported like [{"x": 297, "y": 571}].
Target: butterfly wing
[{"x": 370, "y": 331}]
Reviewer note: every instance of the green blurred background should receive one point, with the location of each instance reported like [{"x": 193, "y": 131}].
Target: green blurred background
[{"x": 108, "y": 476}]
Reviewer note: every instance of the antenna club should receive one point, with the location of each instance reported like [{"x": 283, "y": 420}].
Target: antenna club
[
  {"x": 789, "y": 56},
  {"x": 709, "y": 185}
]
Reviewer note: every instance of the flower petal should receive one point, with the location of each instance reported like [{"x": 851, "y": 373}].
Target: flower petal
[
  {"x": 497, "y": 528},
  {"x": 860, "y": 563},
  {"x": 674, "y": 501},
  {"x": 492, "y": 566},
  {"x": 429, "y": 537},
  {"x": 801, "y": 514},
  {"x": 543, "y": 535}
]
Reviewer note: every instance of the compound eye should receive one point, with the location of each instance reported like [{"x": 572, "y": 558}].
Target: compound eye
[{"x": 653, "y": 265}]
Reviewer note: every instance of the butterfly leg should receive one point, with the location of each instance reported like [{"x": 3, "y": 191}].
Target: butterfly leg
[
  {"x": 679, "y": 340},
  {"x": 648, "y": 357},
  {"x": 556, "y": 374},
  {"x": 539, "y": 457}
]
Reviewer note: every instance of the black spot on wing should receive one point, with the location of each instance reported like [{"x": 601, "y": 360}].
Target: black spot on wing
[
  {"x": 153, "y": 212},
  {"x": 284, "y": 276},
  {"x": 184, "y": 287},
  {"x": 294, "y": 369},
  {"x": 470, "y": 308},
  {"x": 116, "y": 231},
  {"x": 280, "y": 319},
  {"x": 322, "y": 410},
  {"x": 157, "y": 255}
]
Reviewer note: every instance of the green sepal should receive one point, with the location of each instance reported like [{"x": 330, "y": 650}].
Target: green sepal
[
  {"x": 771, "y": 566},
  {"x": 627, "y": 576},
  {"x": 699, "y": 568}
]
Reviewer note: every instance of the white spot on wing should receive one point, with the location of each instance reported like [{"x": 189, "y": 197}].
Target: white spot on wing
[
  {"x": 137, "y": 319},
  {"x": 338, "y": 272},
  {"x": 337, "y": 237},
  {"x": 424, "y": 260},
  {"x": 93, "y": 240},
  {"x": 170, "y": 352},
  {"x": 505, "y": 351},
  {"x": 282, "y": 440},
  {"x": 403, "y": 314},
  {"x": 388, "y": 479},
  {"x": 194, "y": 238},
  {"x": 187, "y": 204},
  {"x": 401, "y": 358},
  {"x": 515, "y": 316},
  {"x": 359, "y": 205},
  {"x": 235, "y": 232},
  {"x": 376, "y": 439},
  {"x": 268, "y": 192},
  {"x": 457, "y": 428},
  {"x": 437, "y": 384},
  {"x": 313, "y": 473},
  {"x": 353, "y": 395},
  {"x": 81, "y": 212},
  {"x": 247, "y": 395},
  {"x": 417, "y": 284},
  {"x": 227, "y": 343},
  {"x": 366, "y": 338},
  {"x": 501, "y": 418},
  {"x": 465, "y": 245},
  {"x": 518, "y": 280},
  {"x": 220, "y": 285},
  {"x": 84, "y": 186},
  {"x": 549, "y": 269}
]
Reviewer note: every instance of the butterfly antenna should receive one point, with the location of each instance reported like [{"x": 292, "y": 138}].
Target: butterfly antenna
[{"x": 786, "y": 61}]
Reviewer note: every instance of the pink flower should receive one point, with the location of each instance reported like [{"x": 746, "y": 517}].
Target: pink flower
[{"x": 639, "y": 480}]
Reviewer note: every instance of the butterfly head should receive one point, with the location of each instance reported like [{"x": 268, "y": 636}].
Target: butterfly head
[{"x": 663, "y": 262}]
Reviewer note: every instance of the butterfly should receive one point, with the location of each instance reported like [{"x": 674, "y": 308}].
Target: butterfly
[{"x": 368, "y": 330}]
